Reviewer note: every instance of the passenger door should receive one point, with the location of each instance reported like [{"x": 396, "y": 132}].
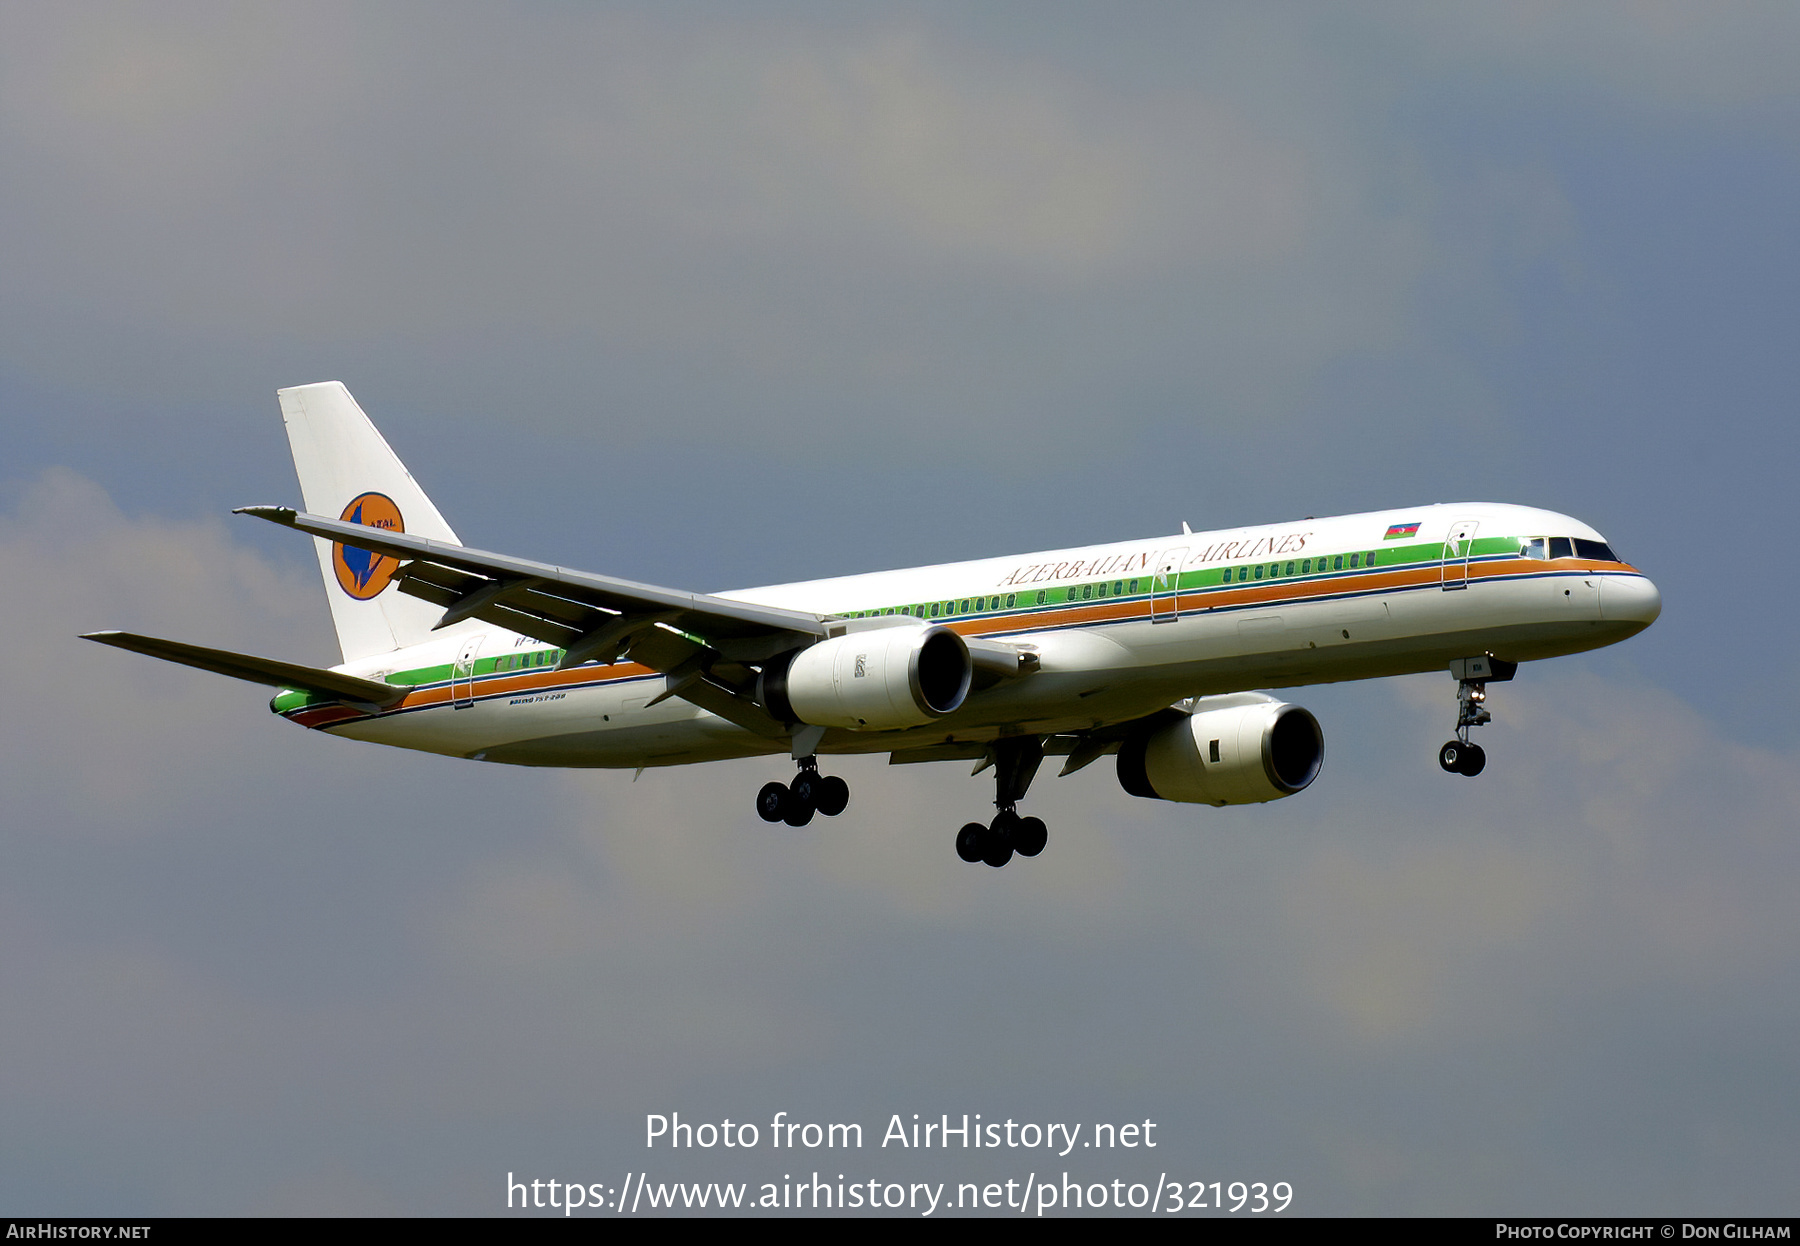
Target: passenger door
[
  {"x": 462, "y": 675},
  {"x": 1165, "y": 585},
  {"x": 1457, "y": 547}
]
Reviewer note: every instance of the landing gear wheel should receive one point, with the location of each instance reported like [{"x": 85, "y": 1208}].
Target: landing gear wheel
[
  {"x": 831, "y": 794},
  {"x": 971, "y": 842},
  {"x": 799, "y": 810},
  {"x": 771, "y": 802},
  {"x": 1464, "y": 759},
  {"x": 805, "y": 788},
  {"x": 999, "y": 839},
  {"x": 1030, "y": 837}
]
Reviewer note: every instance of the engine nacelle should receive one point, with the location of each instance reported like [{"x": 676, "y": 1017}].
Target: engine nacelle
[
  {"x": 1236, "y": 754},
  {"x": 874, "y": 680}
]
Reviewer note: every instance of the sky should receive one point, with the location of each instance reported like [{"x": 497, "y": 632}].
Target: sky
[{"x": 718, "y": 295}]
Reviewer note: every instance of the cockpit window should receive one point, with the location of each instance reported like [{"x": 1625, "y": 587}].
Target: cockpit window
[
  {"x": 1560, "y": 547},
  {"x": 1534, "y": 548},
  {"x": 1597, "y": 551}
]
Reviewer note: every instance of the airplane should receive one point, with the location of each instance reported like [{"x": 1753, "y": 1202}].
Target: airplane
[{"x": 1159, "y": 652}]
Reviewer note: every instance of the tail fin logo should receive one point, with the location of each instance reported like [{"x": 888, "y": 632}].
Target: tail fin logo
[{"x": 363, "y": 573}]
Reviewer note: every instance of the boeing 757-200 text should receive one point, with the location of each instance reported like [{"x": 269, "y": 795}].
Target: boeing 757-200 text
[{"x": 1157, "y": 651}]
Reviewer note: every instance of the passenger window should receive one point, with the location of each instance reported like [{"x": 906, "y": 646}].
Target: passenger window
[
  {"x": 1290, "y": 569},
  {"x": 1134, "y": 586},
  {"x": 1118, "y": 587},
  {"x": 1243, "y": 574},
  {"x": 1337, "y": 563},
  {"x": 1259, "y": 571},
  {"x": 1306, "y": 567},
  {"x": 1100, "y": 589},
  {"x": 1353, "y": 559},
  {"x": 1560, "y": 547},
  {"x": 1041, "y": 595},
  {"x": 1087, "y": 591},
  {"x": 1009, "y": 600},
  {"x": 934, "y": 609}
]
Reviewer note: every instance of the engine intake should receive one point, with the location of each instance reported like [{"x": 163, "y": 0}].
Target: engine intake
[
  {"x": 876, "y": 680},
  {"x": 1236, "y": 754}
]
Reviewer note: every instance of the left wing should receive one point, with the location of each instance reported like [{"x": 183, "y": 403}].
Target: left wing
[
  {"x": 590, "y": 616},
  {"x": 702, "y": 645},
  {"x": 699, "y": 643}
]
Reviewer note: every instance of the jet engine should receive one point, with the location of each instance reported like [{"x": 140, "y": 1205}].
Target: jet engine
[
  {"x": 1235, "y": 753},
  {"x": 876, "y": 680}
]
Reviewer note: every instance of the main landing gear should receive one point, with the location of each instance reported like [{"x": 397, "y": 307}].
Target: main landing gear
[
  {"x": 795, "y": 803},
  {"x": 1015, "y": 762},
  {"x": 1459, "y": 756}
]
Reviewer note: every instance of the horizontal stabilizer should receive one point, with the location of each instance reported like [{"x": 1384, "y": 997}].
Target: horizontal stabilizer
[{"x": 259, "y": 670}]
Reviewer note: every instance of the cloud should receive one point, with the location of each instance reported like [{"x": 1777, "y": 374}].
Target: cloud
[
  {"x": 1661, "y": 54},
  {"x": 250, "y": 966},
  {"x": 215, "y": 928},
  {"x": 90, "y": 568},
  {"x": 1576, "y": 863},
  {"x": 834, "y": 214}
]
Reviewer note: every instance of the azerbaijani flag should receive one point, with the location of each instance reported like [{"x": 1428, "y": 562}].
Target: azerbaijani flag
[{"x": 1400, "y": 530}]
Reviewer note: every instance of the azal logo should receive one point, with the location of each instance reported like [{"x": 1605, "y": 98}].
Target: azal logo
[{"x": 363, "y": 573}]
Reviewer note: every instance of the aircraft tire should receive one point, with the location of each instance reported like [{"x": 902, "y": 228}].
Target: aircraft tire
[
  {"x": 1472, "y": 762},
  {"x": 971, "y": 842},
  {"x": 1450, "y": 757},
  {"x": 805, "y": 788},
  {"x": 799, "y": 810},
  {"x": 831, "y": 794},
  {"x": 999, "y": 838},
  {"x": 1030, "y": 837},
  {"x": 771, "y": 802}
]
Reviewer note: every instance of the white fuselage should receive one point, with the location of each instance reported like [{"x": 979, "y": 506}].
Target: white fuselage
[{"x": 1120, "y": 631}]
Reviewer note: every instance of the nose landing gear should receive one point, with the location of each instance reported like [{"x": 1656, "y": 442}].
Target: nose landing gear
[{"x": 1473, "y": 675}]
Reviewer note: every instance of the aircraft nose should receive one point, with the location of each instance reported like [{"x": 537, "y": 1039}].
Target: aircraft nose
[{"x": 1629, "y": 599}]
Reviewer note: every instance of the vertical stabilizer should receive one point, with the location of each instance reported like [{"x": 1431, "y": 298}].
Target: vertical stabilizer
[{"x": 347, "y": 471}]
